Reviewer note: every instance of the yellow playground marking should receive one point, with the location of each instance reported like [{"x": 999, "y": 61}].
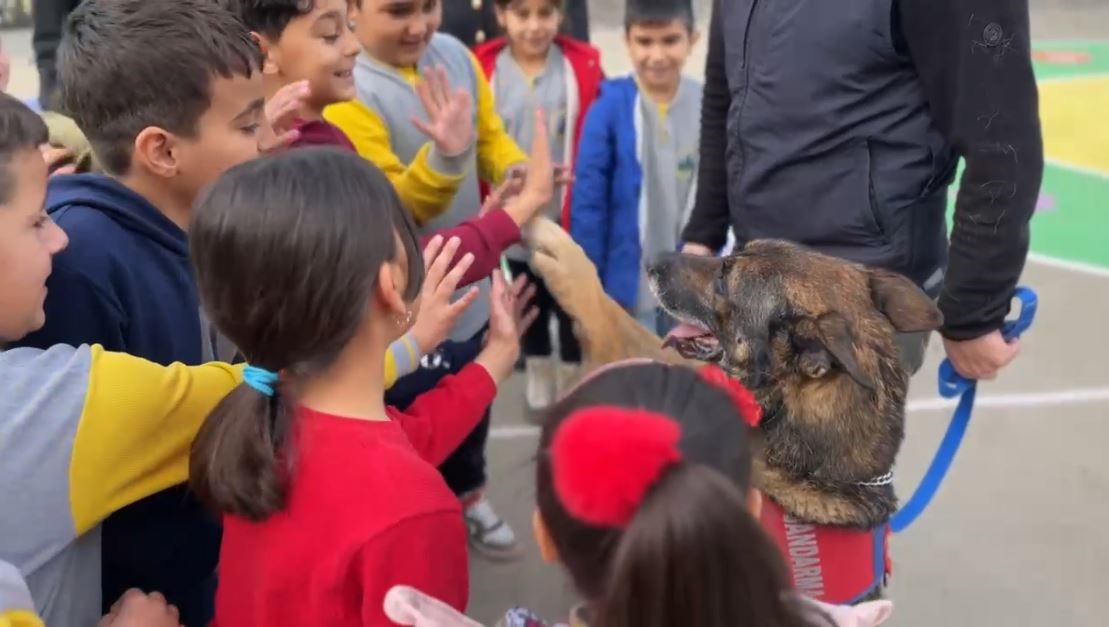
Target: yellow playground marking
[{"x": 1074, "y": 116}]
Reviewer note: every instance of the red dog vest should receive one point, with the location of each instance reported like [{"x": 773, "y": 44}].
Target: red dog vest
[{"x": 829, "y": 564}]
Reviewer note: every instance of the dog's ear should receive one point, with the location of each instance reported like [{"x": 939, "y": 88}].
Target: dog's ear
[
  {"x": 835, "y": 334},
  {"x": 905, "y": 304}
]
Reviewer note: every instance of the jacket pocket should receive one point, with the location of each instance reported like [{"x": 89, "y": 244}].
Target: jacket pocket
[{"x": 824, "y": 201}]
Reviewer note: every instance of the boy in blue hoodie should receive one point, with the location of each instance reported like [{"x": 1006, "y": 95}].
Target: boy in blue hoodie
[
  {"x": 170, "y": 95},
  {"x": 637, "y": 162}
]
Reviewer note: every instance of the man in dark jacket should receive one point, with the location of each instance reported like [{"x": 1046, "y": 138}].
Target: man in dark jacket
[
  {"x": 474, "y": 21},
  {"x": 840, "y": 124},
  {"x": 49, "y": 17}
]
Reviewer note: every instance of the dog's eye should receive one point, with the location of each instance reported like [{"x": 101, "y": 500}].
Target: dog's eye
[{"x": 720, "y": 283}]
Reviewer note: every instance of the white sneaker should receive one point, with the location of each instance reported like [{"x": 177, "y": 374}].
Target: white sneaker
[
  {"x": 565, "y": 377},
  {"x": 540, "y": 374},
  {"x": 489, "y": 535}
]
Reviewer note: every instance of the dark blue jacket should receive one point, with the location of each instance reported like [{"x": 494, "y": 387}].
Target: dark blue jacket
[
  {"x": 125, "y": 282},
  {"x": 604, "y": 216}
]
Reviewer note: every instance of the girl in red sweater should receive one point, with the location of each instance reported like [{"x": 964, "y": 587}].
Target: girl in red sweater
[{"x": 307, "y": 261}]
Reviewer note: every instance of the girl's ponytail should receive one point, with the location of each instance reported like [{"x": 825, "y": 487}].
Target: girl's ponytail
[
  {"x": 694, "y": 555},
  {"x": 236, "y": 463}
]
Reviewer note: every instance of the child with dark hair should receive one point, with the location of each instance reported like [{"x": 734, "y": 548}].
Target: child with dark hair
[
  {"x": 330, "y": 498},
  {"x": 437, "y": 167},
  {"x": 125, "y": 281},
  {"x": 637, "y": 165},
  {"x": 169, "y": 95},
  {"x": 533, "y": 66},
  {"x": 310, "y": 43},
  {"x": 83, "y": 432},
  {"x": 644, "y": 495}
]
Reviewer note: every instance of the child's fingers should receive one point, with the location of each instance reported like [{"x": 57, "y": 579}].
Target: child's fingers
[
  {"x": 455, "y": 309},
  {"x": 519, "y": 284},
  {"x": 432, "y": 248},
  {"x": 450, "y": 283},
  {"x": 423, "y": 90},
  {"x": 423, "y": 127},
  {"x": 529, "y": 318},
  {"x": 441, "y": 264}
]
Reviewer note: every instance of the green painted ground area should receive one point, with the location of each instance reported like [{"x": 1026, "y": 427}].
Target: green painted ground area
[{"x": 1072, "y": 219}]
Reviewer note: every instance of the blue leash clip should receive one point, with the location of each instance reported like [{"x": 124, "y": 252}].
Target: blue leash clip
[{"x": 951, "y": 385}]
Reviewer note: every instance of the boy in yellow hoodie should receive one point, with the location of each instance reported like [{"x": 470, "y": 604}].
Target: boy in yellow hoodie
[{"x": 438, "y": 168}]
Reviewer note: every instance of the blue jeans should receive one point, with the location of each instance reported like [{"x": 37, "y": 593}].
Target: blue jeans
[{"x": 657, "y": 320}]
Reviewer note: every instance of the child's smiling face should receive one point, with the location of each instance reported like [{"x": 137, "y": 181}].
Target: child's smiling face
[
  {"x": 396, "y": 32},
  {"x": 530, "y": 25},
  {"x": 318, "y": 47},
  {"x": 659, "y": 52}
]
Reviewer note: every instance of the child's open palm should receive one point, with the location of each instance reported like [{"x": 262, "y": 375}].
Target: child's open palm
[
  {"x": 510, "y": 314},
  {"x": 437, "y": 313},
  {"x": 449, "y": 111}
]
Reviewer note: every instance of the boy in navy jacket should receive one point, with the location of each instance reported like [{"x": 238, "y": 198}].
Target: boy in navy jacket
[
  {"x": 638, "y": 158},
  {"x": 169, "y": 93}
]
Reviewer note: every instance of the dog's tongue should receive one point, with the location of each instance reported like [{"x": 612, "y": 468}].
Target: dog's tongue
[{"x": 683, "y": 332}]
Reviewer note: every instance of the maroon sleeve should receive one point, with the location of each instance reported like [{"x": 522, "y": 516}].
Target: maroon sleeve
[
  {"x": 486, "y": 237},
  {"x": 439, "y": 419},
  {"x": 427, "y": 553}
]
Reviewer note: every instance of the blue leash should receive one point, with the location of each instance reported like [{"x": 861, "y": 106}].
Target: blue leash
[{"x": 952, "y": 384}]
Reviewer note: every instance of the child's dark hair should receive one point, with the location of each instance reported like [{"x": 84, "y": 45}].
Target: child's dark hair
[
  {"x": 124, "y": 65},
  {"x": 505, "y": 4},
  {"x": 269, "y": 17},
  {"x": 287, "y": 250},
  {"x": 657, "y": 12},
  {"x": 690, "y": 553},
  {"x": 20, "y": 130}
]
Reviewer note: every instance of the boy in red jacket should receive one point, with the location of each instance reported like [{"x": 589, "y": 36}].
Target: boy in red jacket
[{"x": 535, "y": 66}]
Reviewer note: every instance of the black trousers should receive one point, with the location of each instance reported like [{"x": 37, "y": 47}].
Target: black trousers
[
  {"x": 537, "y": 339},
  {"x": 464, "y": 470},
  {"x": 49, "y": 21}
]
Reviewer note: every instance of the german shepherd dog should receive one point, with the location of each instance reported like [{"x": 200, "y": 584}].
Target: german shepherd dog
[{"x": 811, "y": 335}]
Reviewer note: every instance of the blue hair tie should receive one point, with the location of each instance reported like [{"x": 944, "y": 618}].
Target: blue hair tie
[{"x": 260, "y": 379}]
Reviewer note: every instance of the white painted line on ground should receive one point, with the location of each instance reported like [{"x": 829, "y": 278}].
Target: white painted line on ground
[
  {"x": 1061, "y": 398},
  {"x": 1073, "y": 78}
]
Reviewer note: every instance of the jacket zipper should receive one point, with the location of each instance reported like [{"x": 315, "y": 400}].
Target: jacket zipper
[{"x": 741, "y": 149}]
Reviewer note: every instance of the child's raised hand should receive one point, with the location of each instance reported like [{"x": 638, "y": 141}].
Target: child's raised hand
[
  {"x": 539, "y": 176},
  {"x": 278, "y": 129},
  {"x": 449, "y": 112},
  {"x": 437, "y": 313},
  {"x": 509, "y": 316},
  {"x": 506, "y": 191},
  {"x": 137, "y": 609}
]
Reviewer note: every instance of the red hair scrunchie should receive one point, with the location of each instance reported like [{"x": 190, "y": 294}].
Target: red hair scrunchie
[{"x": 605, "y": 459}]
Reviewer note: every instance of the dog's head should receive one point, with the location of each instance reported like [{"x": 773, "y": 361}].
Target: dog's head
[{"x": 777, "y": 313}]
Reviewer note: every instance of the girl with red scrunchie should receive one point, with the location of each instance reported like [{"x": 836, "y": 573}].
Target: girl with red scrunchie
[{"x": 643, "y": 487}]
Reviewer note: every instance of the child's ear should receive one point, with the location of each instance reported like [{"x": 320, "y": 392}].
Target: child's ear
[
  {"x": 694, "y": 37},
  {"x": 156, "y": 151},
  {"x": 390, "y": 289},
  {"x": 754, "y": 502},
  {"x": 270, "y": 64},
  {"x": 547, "y": 548}
]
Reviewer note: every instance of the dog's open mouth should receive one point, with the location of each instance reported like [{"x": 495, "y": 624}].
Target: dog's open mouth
[{"x": 693, "y": 342}]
